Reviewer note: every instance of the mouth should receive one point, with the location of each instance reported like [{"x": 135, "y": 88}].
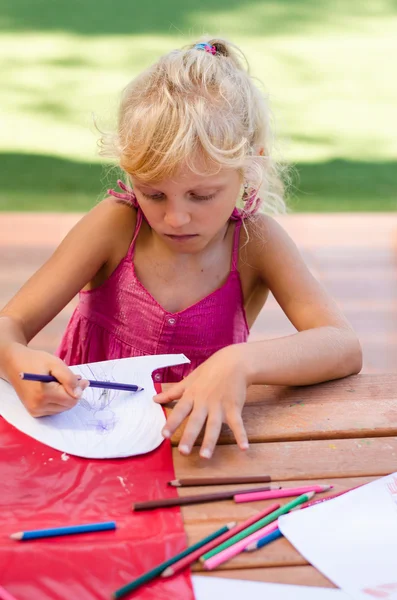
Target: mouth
[{"x": 181, "y": 238}]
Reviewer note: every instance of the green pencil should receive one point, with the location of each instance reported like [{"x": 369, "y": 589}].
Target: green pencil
[
  {"x": 156, "y": 571},
  {"x": 258, "y": 525}
]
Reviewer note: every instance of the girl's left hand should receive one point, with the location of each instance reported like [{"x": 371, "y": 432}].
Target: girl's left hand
[{"x": 214, "y": 392}]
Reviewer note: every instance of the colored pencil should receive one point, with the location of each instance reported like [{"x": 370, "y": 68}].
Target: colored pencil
[
  {"x": 188, "y": 560},
  {"x": 263, "y": 541},
  {"x": 156, "y": 571},
  {"x": 4, "y": 595},
  {"x": 273, "y": 516},
  {"x": 330, "y": 497},
  {"x": 245, "y": 496},
  {"x": 108, "y": 385},
  {"x": 195, "y": 499},
  {"x": 71, "y": 529},
  {"x": 193, "y": 481},
  {"x": 240, "y": 546}
]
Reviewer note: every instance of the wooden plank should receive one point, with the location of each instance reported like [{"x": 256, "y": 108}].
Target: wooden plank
[
  {"x": 302, "y": 575},
  {"x": 215, "y": 514},
  {"x": 289, "y": 461},
  {"x": 357, "y": 406},
  {"x": 201, "y": 520},
  {"x": 342, "y": 462}
]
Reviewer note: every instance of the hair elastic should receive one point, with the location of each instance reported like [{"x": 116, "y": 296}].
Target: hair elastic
[{"x": 206, "y": 47}]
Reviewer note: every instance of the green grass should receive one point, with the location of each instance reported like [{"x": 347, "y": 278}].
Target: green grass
[
  {"x": 37, "y": 182},
  {"x": 326, "y": 66}
]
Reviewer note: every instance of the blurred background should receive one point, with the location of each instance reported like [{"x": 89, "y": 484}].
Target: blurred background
[
  {"x": 329, "y": 71},
  {"x": 326, "y": 66}
]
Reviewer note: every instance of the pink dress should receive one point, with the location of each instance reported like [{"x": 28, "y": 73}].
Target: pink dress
[{"x": 120, "y": 318}]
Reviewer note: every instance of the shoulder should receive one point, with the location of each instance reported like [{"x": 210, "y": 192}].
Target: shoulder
[
  {"x": 111, "y": 212},
  {"x": 110, "y": 224},
  {"x": 264, "y": 242}
]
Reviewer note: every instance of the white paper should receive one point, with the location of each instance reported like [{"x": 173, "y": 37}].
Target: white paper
[
  {"x": 104, "y": 423},
  {"x": 352, "y": 539},
  {"x": 215, "y": 588}
]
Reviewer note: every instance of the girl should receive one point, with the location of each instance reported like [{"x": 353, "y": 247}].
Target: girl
[{"x": 172, "y": 265}]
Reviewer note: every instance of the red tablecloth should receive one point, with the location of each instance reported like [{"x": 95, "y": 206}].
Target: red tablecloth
[{"x": 43, "y": 488}]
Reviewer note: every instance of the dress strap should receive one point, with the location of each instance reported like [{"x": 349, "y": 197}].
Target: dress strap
[
  {"x": 139, "y": 219},
  {"x": 127, "y": 196},
  {"x": 236, "y": 244}
]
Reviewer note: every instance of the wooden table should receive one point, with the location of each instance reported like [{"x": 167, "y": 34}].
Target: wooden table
[{"x": 342, "y": 432}]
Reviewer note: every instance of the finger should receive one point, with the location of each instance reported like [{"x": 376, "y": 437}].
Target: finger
[
  {"x": 178, "y": 414},
  {"x": 55, "y": 409},
  {"x": 83, "y": 383},
  {"x": 38, "y": 399},
  {"x": 212, "y": 431},
  {"x": 47, "y": 410},
  {"x": 174, "y": 393},
  {"x": 193, "y": 427},
  {"x": 235, "y": 422},
  {"x": 55, "y": 393},
  {"x": 67, "y": 379}
]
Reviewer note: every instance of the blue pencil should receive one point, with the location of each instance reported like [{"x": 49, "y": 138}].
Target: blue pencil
[
  {"x": 71, "y": 529},
  {"x": 266, "y": 539},
  {"x": 109, "y": 385}
]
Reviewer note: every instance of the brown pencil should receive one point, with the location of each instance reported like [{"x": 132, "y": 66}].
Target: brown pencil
[
  {"x": 196, "y": 499},
  {"x": 192, "y": 481}
]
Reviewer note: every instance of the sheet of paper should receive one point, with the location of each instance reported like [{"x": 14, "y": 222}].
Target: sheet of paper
[
  {"x": 352, "y": 539},
  {"x": 104, "y": 423},
  {"x": 214, "y": 588}
]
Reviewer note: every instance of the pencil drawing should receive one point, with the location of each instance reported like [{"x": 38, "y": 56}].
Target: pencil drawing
[{"x": 99, "y": 401}]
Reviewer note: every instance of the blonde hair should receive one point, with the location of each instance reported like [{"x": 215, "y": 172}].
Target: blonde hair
[{"x": 195, "y": 103}]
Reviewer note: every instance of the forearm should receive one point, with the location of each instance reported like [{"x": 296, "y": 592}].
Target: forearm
[
  {"x": 304, "y": 358},
  {"x": 10, "y": 333}
]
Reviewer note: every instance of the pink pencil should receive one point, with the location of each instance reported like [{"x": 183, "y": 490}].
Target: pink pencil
[
  {"x": 193, "y": 556},
  {"x": 228, "y": 553},
  {"x": 283, "y": 493},
  {"x": 4, "y": 595}
]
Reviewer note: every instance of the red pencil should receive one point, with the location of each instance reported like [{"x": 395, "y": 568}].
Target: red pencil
[{"x": 191, "y": 558}]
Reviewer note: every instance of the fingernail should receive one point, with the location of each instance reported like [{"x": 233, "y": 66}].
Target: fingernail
[
  {"x": 165, "y": 433},
  {"x": 77, "y": 391},
  {"x": 205, "y": 453},
  {"x": 184, "y": 449},
  {"x": 244, "y": 446}
]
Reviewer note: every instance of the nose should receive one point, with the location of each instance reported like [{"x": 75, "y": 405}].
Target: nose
[{"x": 176, "y": 217}]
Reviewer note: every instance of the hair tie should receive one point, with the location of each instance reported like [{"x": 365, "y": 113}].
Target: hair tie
[{"x": 206, "y": 47}]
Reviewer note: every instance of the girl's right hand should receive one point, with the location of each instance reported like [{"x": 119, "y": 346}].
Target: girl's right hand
[{"x": 41, "y": 399}]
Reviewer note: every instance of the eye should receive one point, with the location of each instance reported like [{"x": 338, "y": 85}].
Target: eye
[
  {"x": 209, "y": 197},
  {"x": 153, "y": 196}
]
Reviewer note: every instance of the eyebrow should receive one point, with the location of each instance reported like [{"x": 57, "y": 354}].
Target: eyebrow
[{"x": 201, "y": 188}]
